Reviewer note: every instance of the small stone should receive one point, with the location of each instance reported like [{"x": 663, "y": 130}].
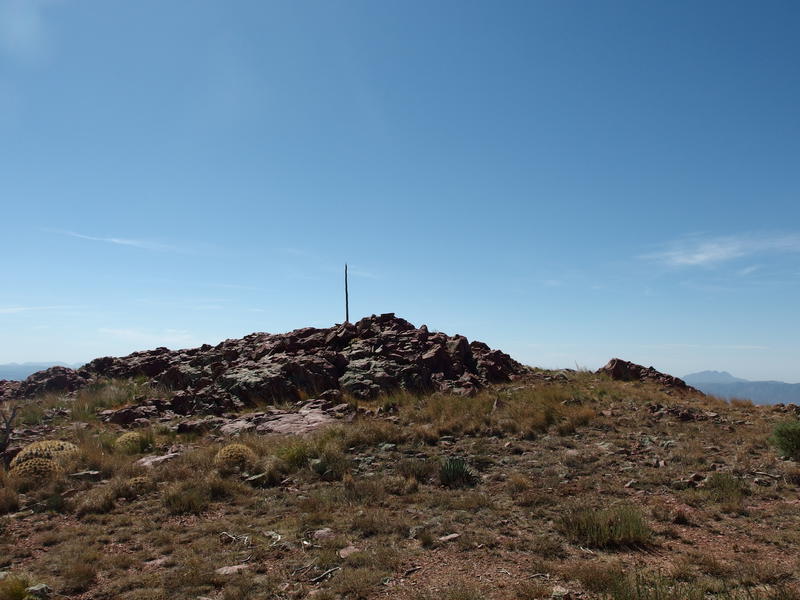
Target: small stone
[
  {"x": 87, "y": 475},
  {"x": 157, "y": 562},
  {"x": 151, "y": 461},
  {"x": 450, "y": 537},
  {"x": 40, "y": 590},
  {"x": 347, "y": 551},
  {"x": 323, "y": 534},
  {"x": 232, "y": 570},
  {"x": 559, "y": 592}
]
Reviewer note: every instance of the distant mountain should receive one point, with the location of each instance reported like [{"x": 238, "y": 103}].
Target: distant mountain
[
  {"x": 19, "y": 371},
  {"x": 725, "y": 385},
  {"x": 712, "y": 377}
]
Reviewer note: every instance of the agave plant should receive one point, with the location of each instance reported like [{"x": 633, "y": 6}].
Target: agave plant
[{"x": 455, "y": 472}]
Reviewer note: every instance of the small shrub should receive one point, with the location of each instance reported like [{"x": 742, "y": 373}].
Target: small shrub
[
  {"x": 617, "y": 527},
  {"x": 532, "y": 590},
  {"x": 597, "y": 576},
  {"x": 98, "y": 500},
  {"x": 455, "y": 472},
  {"x": 331, "y": 465},
  {"x": 726, "y": 490},
  {"x": 363, "y": 491},
  {"x": 9, "y": 500},
  {"x": 419, "y": 469},
  {"x": 518, "y": 483},
  {"x": 379, "y": 521},
  {"x": 272, "y": 473},
  {"x": 296, "y": 453},
  {"x": 79, "y": 572},
  {"x": 357, "y": 583},
  {"x": 786, "y": 437},
  {"x": 13, "y": 587},
  {"x": 185, "y": 498},
  {"x": 134, "y": 487}
]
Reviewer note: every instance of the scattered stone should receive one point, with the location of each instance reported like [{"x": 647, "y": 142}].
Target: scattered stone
[
  {"x": 560, "y": 593},
  {"x": 153, "y": 460},
  {"x": 232, "y": 570},
  {"x": 323, "y": 534},
  {"x": 40, "y": 590},
  {"x": 347, "y": 551},
  {"x": 87, "y": 475},
  {"x": 449, "y": 538}
]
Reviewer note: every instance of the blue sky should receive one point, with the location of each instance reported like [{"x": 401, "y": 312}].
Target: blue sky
[{"x": 568, "y": 181}]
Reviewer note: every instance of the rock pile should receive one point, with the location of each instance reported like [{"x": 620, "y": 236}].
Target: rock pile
[
  {"x": 623, "y": 370},
  {"x": 376, "y": 354}
]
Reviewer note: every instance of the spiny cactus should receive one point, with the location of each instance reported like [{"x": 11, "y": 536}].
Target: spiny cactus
[
  {"x": 132, "y": 442},
  {"x": 455, "y": 472},
  {"x": 234, "y": 457},
  {"x": 56, "y": 450},
  {"x": 36, "y": 469}
]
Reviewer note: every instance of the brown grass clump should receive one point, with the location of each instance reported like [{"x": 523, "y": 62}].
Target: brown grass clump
[
  {"x": 9, "y": 499},
  {"x": 185, "y": 498},
  {"x": 13, "y": 587},
  {"x": 616, "y": 527}
]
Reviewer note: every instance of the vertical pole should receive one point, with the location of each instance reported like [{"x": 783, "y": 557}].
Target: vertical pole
[{"x": 346, "y": 297}]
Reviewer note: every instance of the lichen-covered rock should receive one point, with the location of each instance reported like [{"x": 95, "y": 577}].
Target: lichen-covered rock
[
  {"x": 56, "y": 450},
  {"x": 235, "y": 457},
  {"x": 131, "y": 443},
  {"x": 36, "y": 469}
]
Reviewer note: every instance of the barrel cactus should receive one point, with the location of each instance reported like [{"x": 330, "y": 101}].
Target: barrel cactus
[
  {"x": 131, "y": 443},
  {"x": 56, "y": 450},
  {"x": 234, "y": 457},
  {"x": 36, "y": 469}
]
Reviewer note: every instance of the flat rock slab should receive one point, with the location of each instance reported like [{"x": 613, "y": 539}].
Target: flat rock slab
[
  {"x": 300, "y": 422},
  {"x": 232, "y": 570}
]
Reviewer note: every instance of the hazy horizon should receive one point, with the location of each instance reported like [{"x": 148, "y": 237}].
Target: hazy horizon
[{"x": 567, "y": 182}]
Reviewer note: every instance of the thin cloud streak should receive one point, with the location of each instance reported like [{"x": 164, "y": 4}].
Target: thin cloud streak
[
  {"x": 696, "y": 252},
  {"x": 12, "y": 310},
  {"x": 143, "y": 244}
]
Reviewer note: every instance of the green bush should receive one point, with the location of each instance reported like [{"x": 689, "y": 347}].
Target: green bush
[
  {"x": 616, "y": 527},
  {"x": 786, "y": 437}
]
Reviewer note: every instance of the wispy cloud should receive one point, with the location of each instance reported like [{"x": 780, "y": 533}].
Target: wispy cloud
[
  {"x": 12, "y": 310},
  {"x": 749, "y": 270},
  {"x": 135, "y": 243},
  {"x": 698, "y": 251}
]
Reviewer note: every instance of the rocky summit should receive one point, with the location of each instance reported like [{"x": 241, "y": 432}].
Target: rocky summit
[{"x": 377, "y": 354}]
